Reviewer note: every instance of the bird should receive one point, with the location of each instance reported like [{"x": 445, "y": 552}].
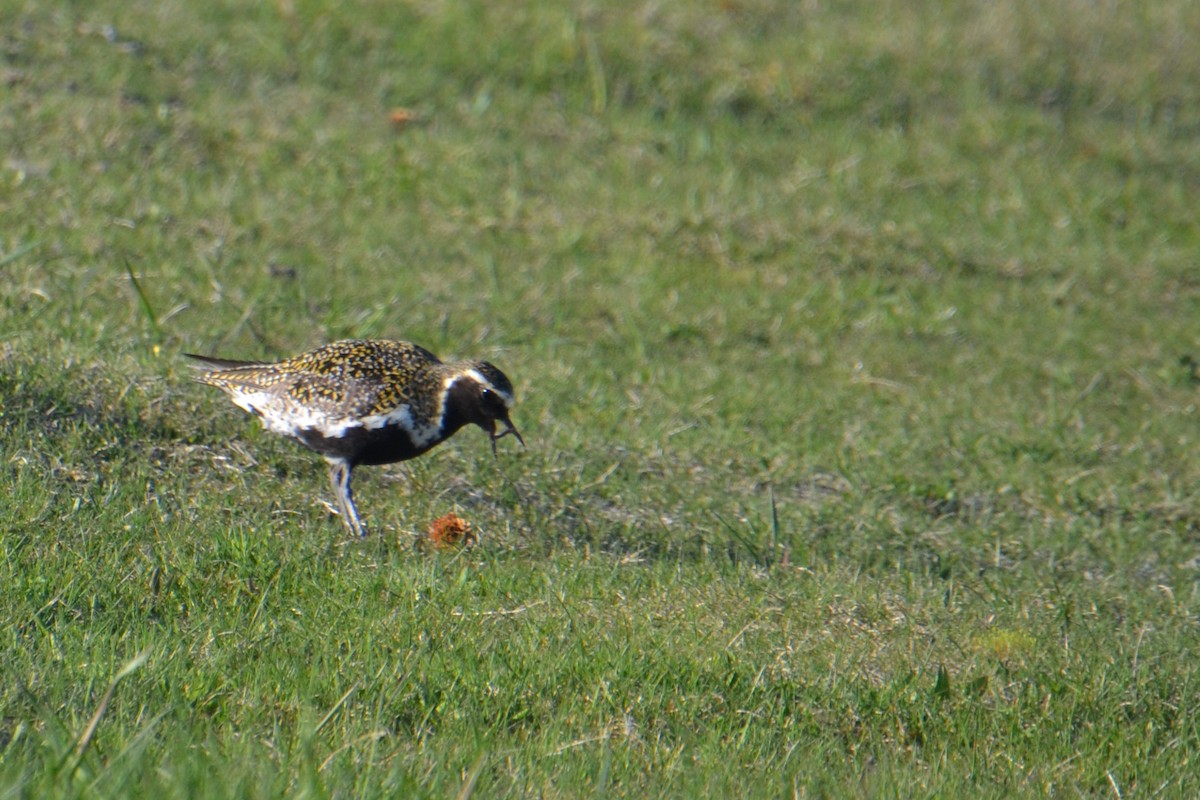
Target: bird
[{"x": 366, "y": 401}]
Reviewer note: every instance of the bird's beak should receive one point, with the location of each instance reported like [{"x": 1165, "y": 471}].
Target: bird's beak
[{"x": 510, "y": 428}]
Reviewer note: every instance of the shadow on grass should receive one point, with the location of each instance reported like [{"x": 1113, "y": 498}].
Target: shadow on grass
[{"x": 54, "y": 410}]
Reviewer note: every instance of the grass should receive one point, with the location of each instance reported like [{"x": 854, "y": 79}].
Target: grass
[{"x": 855, "y": 350}]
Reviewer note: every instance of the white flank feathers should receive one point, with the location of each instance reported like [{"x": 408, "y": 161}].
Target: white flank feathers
[
  {"x": 289, "y": 419},
  {"x": 421, "y": 435}
]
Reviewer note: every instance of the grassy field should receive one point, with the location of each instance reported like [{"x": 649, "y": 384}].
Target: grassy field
[{"x": 855, "y": 345}]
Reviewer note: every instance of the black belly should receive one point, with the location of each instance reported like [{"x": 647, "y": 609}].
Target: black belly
[{"x": 358, "y": 445}]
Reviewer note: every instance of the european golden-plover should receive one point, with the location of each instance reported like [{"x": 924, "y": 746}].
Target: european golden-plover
[{"x": 366, "y": 402}]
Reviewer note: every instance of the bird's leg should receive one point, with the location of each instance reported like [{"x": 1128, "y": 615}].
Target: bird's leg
[{"x": 339, "y": 475}]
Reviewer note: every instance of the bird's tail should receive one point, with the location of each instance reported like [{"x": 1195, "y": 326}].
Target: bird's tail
[
  {"x": 208, "y": 362},
  {"x": 230, "y": 376}
]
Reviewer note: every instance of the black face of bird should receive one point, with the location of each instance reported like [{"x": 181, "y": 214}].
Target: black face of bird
[
  {"x": 472, "y": 398},
  {"x": 494, "y": 407}
]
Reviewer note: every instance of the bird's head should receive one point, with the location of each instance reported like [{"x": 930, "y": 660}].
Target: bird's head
[{"x": 480, "y": 393}]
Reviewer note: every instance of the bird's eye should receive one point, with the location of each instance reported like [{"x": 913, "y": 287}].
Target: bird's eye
[{"x": 491, "y": 400}]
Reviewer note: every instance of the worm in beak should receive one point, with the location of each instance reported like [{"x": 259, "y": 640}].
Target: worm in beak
[{"x": 509, "y": 429}]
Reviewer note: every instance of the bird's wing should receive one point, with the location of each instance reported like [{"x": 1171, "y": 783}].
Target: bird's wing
[{"x": 339, "y": 397}]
